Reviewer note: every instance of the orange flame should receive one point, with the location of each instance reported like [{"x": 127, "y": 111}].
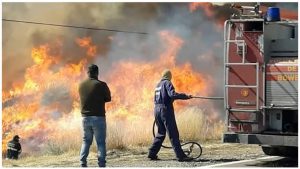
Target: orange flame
[
  {"x": 208, "y": 9},
  {"x": 86, "y": 42},
  {"x": 42, "y": 106},
  {"x": 206, "y": 6}
]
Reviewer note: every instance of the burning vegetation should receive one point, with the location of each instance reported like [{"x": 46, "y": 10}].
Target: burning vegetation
[
  {"x": 46, "y": 106},
  {"x": 40, "y": 100}
]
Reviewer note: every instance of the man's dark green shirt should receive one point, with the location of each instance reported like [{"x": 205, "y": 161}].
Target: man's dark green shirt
[{"x": 93, "y": 95}]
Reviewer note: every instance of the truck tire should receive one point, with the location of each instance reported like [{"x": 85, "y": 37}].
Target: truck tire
[
  {"x": 271, "y": 151},
  {"x": 288, "y": 151},
  {"x": 281, "y": 151}
]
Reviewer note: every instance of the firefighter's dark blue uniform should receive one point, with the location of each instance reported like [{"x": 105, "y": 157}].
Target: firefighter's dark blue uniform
[
  {"x": 165, "y": 119},
  {"x": 14, "y": 148}
]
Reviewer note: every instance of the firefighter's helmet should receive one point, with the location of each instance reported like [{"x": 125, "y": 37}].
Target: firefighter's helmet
[{"x": 16, "y": 138}]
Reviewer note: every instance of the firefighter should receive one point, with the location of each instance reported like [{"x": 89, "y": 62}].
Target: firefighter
[
  {"x": 14, "y": 148},
  {"x": 165, "y": 118}
]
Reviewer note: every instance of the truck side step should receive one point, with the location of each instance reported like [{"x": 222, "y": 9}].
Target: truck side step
[
  {"x": 244, "y": 121},
  {"x": 243, "y": 110}
]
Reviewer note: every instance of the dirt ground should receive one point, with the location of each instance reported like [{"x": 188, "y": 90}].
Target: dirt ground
[{"x": 213, "y": 152}]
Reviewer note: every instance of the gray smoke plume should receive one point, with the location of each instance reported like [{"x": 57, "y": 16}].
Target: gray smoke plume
[{"x": 203, "y": 40}]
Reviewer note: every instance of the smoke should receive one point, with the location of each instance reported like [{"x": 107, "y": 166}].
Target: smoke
[
  {"x": 202, "y": 47},
  {"x": 57, "y": 95},
  {"x": 198, "y": 31},
  {"x": 202, "y": 44}
]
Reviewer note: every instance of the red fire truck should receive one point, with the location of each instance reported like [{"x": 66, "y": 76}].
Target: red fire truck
[{"x": 261, "y": 82}]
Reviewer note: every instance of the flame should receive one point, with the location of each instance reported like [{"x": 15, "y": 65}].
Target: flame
[
  {"x": 47, "y": 102},
  {"x": 206, "y": 6},
  {"x": 86, "y": 42},
  {"x": 208, "y": 9}
]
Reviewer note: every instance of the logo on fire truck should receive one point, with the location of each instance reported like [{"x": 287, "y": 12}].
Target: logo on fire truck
[{"x": 245, "y": 92}]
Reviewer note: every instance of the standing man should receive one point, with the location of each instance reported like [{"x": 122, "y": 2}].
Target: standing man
[
  {"x": 165, "y": 119},
  {"x": 14, "y": 148},
  {"x": 93, "y": 96}
]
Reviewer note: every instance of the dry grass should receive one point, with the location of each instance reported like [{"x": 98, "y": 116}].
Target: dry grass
[
  {"x": 193, "y": 125},
  {"x": 69, "y": 159},
  {"x": 127, "y": 134}
]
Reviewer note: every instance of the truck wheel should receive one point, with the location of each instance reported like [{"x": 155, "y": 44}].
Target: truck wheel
[
  {"x": 288, "y": 151},
  {"x": 271, "y": 151}
]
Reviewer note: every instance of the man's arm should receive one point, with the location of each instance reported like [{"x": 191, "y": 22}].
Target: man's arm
[
  {"x": 107, "y": 96},
  {"x": 171, "y": 92}
]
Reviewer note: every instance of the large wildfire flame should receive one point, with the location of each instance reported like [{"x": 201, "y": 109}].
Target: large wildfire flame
[{"x": 47, "y": 103}]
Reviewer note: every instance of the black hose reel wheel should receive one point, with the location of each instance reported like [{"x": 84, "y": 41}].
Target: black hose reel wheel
[{"x": 191, "y": 149}]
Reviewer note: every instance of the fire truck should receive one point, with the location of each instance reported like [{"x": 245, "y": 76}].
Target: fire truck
[{"x": 261, "y": 81}]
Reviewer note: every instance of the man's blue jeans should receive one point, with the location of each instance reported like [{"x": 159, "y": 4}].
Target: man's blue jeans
[{"x": 93, "y": 125}]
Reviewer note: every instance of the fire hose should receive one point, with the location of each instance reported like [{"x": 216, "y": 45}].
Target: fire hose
[{"x": 190, "y": 144}]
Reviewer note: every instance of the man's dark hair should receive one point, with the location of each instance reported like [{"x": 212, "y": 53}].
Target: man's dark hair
[{"x": 93, "y": 70}]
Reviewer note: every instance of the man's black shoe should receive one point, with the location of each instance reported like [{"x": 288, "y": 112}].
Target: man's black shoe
[
  {"x": 154, "y": 158},
  {"x": 185, "y": 159},
  {"x": 83, "y": 165}
]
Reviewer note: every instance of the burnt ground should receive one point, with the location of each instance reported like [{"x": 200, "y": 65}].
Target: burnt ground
[{"x": 214, "y": 152}]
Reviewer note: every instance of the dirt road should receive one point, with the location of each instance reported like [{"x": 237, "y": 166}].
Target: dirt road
[{"x": 214, "y": 152}]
